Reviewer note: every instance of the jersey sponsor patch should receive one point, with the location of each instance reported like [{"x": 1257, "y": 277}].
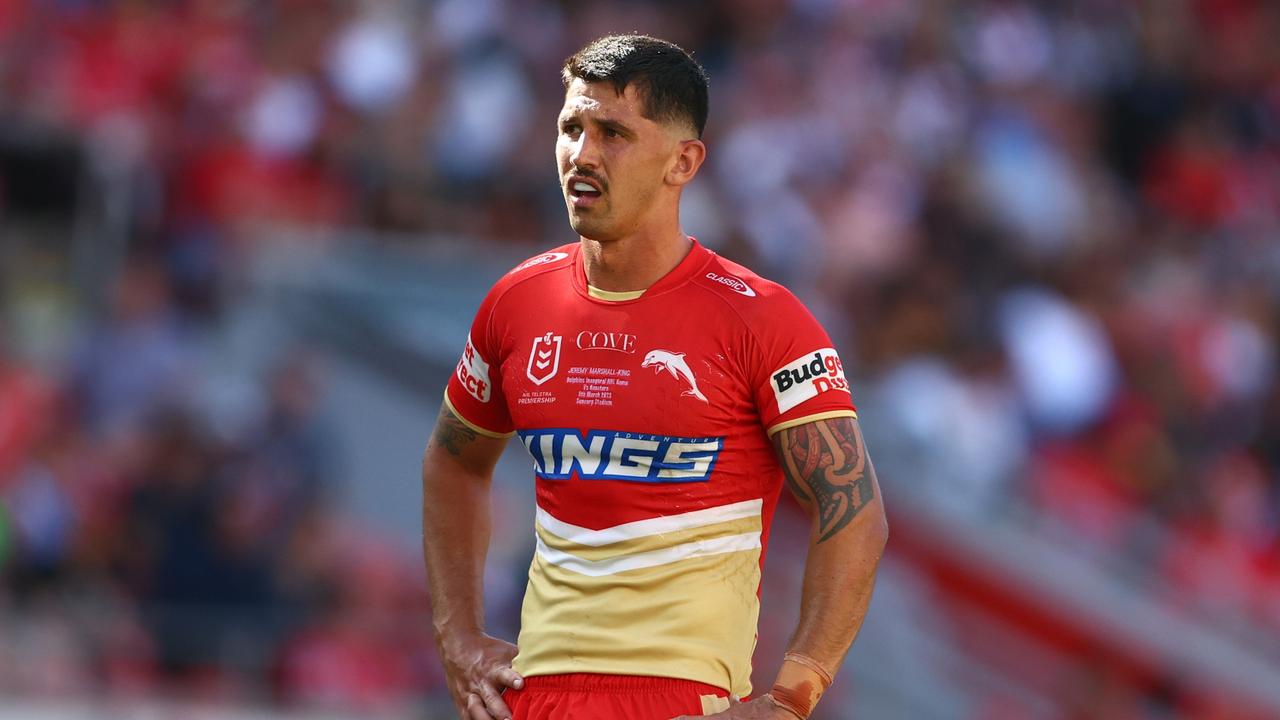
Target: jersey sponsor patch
[
  {"x": 733, "y": 283},
  {"x": 808, "y": 376},
  {"x": 560, "y": 453},
  {"x": 600, "y": 340},
  {"x": 473, "y": 373},
  {"x": 542, "y": 259}
]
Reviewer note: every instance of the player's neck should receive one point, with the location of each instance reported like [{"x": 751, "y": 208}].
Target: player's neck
[{"x": 634, "y": 262}]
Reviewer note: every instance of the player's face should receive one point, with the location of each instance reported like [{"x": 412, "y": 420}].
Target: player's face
[{"x": 613, "y": 161}]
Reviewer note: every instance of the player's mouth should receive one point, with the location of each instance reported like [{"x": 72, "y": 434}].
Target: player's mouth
[{"x": 583, "y": 192}]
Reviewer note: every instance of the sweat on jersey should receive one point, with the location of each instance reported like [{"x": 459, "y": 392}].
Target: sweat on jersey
[{"x": 648, "y": 420}]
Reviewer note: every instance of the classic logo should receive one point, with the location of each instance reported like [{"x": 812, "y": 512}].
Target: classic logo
[
  {"x": 807, "y": 377},
  {"x": 544, "y": 358},
  {"x": 542, "y": 259},
  {"x": 620, "y": 342},
  {"x": 560, "y": 453},
  {"x": 674, "y": 363},
  {"x": 733, "y": 283},
  {"x": 473, "y": 373}
]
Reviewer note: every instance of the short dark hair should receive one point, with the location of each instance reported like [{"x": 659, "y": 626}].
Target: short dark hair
[{"x": 672, "y": 85}]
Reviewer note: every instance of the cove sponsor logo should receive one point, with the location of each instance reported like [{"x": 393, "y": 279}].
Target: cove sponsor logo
[
  {"x": 559, "y": 453},
  {"x": 807, "y": 377}
]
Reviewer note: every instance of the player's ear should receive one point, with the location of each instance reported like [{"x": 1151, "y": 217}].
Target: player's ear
[{"x": 688, "y": 158}]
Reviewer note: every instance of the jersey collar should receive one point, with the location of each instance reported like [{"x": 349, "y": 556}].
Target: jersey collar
[{"x": 697, "y": 257}]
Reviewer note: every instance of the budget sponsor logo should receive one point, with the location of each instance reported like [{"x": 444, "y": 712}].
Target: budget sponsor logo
[
  {"x": 473, "y": 373},
  {"x": 733, "y": 283},
  {"x": 561, "y": 453},
  {"x": 808, "y": 376},
  {"x": 544, "y": 358},
  {"x": 542, "y": 259}
]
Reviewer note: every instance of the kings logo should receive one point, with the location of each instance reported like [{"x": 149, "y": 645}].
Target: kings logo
[{"x": 544, "y": 358}]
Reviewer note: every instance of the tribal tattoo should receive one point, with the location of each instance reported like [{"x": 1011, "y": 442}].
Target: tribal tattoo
[
  {"x": 452, "y": 433},
  {"x": 825, "y": 466}
]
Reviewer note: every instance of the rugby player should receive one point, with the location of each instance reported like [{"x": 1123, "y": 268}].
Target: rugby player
[{"x": 665, "y": 395}]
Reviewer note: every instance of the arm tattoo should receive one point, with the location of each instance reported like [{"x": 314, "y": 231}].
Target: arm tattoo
[
  {"x": 452, "y": 433},
  {"x": 825, "y": 465}
]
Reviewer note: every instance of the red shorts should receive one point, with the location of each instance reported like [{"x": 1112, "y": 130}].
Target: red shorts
[{"x": 582, "y": 696}]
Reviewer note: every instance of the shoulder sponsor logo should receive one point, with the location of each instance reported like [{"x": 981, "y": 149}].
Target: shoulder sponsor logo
[
  {"x": 673, "y": 362},
  {"x": 473, "y": 373},
  {"x": 561, "y": 453},
  {"x": 544, "y": 358},
  {"x": 808, "y": 376},
  {"x": 733, "y": 283},
  {"x": 542, "y": 259},
  {"x": 616, "y": 341}
]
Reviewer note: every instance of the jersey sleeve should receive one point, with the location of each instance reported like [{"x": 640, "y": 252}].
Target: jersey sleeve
[
  {"x": 474, "y": 392},
  {"x": 799, "y": 376}
]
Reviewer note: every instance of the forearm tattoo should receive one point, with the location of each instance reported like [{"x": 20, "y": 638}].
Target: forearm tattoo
[
  {"x": 452, "y": 433},
  {"x": 825, "y": 466}
]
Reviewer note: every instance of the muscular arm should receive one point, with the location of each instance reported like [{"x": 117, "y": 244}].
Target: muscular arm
[
  {"x": 457, "y": 470},
  {"x": 826, "y": 467}
]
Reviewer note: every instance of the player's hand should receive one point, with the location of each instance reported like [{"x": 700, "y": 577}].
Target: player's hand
[
  {"x": 478, "y": 669},
  {"x": 761, "y": 708}
]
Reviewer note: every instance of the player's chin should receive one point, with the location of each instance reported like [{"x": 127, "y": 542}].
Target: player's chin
[{"x": 588, "y": 225}]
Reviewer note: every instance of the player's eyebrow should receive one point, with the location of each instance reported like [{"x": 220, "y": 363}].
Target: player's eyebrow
[
  {"x": 605, "y": 122},
  {"x": 616, "y": 125}
]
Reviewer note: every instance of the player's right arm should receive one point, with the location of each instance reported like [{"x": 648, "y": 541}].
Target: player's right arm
[{"x": 457, "y": 470}]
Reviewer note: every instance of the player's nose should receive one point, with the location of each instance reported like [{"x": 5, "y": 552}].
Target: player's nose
[{"x": 584, "y": 151}]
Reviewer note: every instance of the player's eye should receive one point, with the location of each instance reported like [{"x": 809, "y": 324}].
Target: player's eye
[
  {"x": 610, "y": 132},
  {"x": 570, "y": 128}
]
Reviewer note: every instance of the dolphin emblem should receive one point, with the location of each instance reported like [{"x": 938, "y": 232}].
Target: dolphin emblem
[{"x": 673, "y": 362}]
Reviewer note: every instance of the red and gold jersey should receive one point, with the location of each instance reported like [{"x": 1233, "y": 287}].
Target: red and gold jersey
[{"x": 648, "y": 418}]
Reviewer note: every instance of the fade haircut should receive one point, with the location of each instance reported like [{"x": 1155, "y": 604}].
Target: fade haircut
[{"x": 672, "y": 85}]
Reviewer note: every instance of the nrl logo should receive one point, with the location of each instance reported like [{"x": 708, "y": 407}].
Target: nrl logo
[
  {"x": 674, "y": 363},
  {"x": 544, "y": 358}
]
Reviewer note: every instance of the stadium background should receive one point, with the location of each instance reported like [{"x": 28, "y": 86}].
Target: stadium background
[{"x": 240, "y": 244}]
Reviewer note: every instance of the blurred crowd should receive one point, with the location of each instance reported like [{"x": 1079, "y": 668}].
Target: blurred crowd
[
  {"x": 1046, "y": 234},
  {"x": 146, "y": 552}
]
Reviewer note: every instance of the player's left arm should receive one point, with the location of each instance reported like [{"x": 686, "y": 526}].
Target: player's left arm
[{"x": 826, "y": 467}]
